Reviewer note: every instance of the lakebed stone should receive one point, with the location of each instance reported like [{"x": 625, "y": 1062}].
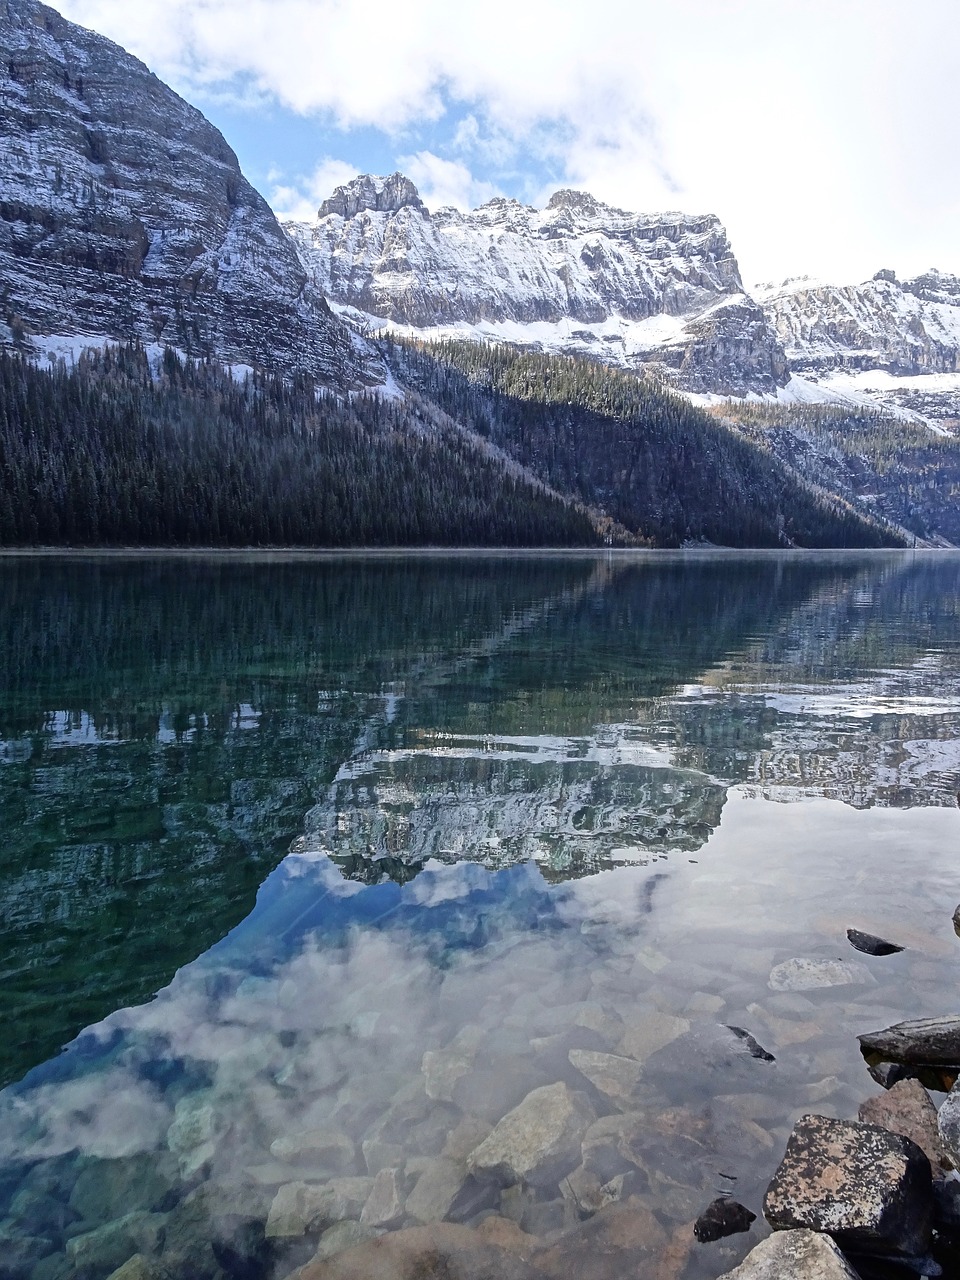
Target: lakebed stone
[
  {"x": 300, "y": 1207},
  {"x": 538, "y": 1141},
  {"x": 867, "y": 1187},
  {"x": 384, "y": 1205},
  {"x": 609, "y": 1073},
  {"x": 793, "y": 1255},
  {"x": 804, "y": 973},
  {"x": 441, "y": 1251}
]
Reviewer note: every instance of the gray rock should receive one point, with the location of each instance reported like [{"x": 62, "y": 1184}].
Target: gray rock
[
  {"x": 325, "y": 1148},
  {"x": 868, "y": 1188},
  {"x": 802, "y": 973},
  {"x": 341, "y": 1236},
  {"x": 384, "y": 1205},
  {"x": 301, "y": 1207},
  {"x": 538, "y": 1141},
  {"x": 613, "y": 1076},
  {"x": 126, "y": 215},
  {"x": 919, "y": 1042},
  {"x": 436, "y": 1190},
  {"x": 109, "y": 1246},
  {"x": 793, "y": 1255},
  {"x": 948, "y": 1125},
  {"x": 195, "y": 1132},
  {"x": 105, "y": 1189},
  {"x": 19, "y": 1254},
  {"x": 908, "y": 1109},
  {"x": 442, "y": 1069}
]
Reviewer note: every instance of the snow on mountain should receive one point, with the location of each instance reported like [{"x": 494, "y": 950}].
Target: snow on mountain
[
  {"x": 124, "y": 215},
  {"x": 577, "y": 276},
  {"x": 886, "y": 341}
]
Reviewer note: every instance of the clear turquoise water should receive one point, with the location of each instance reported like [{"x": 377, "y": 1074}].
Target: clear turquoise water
[{"x": 274, "y": 829}]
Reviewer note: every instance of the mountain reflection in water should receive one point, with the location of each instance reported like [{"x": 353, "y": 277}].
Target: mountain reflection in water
[{"x": 497, "y": 814}]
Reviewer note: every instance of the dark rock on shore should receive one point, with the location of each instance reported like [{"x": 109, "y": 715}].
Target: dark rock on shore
[
  {"x": 722, "y": 1218},
  {"x": 920, "y": 1042},
  {"x": 870, "y": 944},
  {"x": 866, "y": 1187}
]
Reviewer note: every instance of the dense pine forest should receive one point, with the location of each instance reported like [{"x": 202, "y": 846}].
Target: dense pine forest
[
  {"x": 112, "y": 453},
  {"x": 487, "y": 446},
  {"x": 647, "y": 458},
  {"x": 899, "y": 469}
]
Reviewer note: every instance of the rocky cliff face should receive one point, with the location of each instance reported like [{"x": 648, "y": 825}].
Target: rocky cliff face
[
  {"x": 578, "y": 276},
  {"x": 904, "y": 328},
  {"x": 124, "y": 214}
]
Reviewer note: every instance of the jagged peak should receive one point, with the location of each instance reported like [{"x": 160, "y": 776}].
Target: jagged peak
[
  {"x": 377, "y": 194},
  {"x": 577, "y": 201}
]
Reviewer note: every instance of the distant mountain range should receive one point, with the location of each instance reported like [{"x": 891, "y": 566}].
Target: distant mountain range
[{"x": 125, "y": 218}]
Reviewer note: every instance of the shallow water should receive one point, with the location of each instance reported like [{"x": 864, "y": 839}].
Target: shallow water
[{"x": 332, "y": 862}]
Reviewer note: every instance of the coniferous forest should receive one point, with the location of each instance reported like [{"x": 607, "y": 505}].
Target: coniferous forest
[
  {"x": 112, "y": 453},
  {"x": 487, "y": 446}
]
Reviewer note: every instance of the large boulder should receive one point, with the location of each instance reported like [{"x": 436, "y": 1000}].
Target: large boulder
[
  {"x": 908, "y": 1109},
  {"x": 538, "y": 1141},
  {"x": 793, "y": 1255},
  {"x": 867, "y": 1187}
]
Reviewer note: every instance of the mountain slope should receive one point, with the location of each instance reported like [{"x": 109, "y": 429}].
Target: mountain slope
[
  {"x": 124, "y": 215},
  {"x": 577, "y": 277},
  {"x": 649, "y": 460}
]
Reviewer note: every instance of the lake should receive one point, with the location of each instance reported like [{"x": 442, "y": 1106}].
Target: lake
[{"x": 314, "y": 868}]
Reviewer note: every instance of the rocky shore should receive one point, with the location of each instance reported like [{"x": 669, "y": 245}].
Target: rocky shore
[{"x": 552, "y": 1135}]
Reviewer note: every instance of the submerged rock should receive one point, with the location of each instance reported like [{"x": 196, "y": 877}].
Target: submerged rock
[
  {"x": 867, "y": 1187},
  {"x": 300, "y": 1207},
  {"x": 441, "y": 1251},
  {"x": 906, "y": 1108},
  {"x": 793, "y": 1255},
  {"x": 622, "y": 1240},
  {"x": 538, "y": 1141},
  {"x": 722, "y": 1218},
  {"x": 802, "y": 973},
  {"x": 751, "y": 1044},
  {"x": 870, "y": 944},
  {"x": 613, "y": 1076},
  {"x": 384, "y": 1205}
]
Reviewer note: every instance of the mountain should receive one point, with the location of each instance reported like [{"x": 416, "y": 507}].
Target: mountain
[
  {"x": 124, "y": 215},
  {"x": 576, "y": 277}
]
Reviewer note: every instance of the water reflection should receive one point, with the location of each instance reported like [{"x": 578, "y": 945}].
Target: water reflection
[{"x": 530, "y": 844}]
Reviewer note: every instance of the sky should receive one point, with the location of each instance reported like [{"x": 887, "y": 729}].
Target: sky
[{"x": 823, "y": 134}]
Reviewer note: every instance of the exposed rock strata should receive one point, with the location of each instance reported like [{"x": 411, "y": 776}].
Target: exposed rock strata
[
  {"x": 578, "y": 276},
  {"x": 124, "y": 215}
]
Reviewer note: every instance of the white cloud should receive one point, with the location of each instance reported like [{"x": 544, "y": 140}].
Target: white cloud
[
  {"x": 300, "y": 197},
  {"x": 445, "y": 182},
  {"x": 821, "y": 131}
]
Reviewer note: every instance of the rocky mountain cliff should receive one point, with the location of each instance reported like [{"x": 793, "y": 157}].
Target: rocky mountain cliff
[
  {"x": 578, "y": 276},
  {"x": 907, "y": 327},
  {"x": 124, "y": 214}
]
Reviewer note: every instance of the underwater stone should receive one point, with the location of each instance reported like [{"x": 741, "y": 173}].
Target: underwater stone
[
  {"x": 436, "y": 1190},
  {"x": 723, "y": 1217},
  {"x": 538, "y": 1141},
  {"x": 384, "y": 1205},
  {"x": 802, "y": 973},
  {"x": 615, "y": 1077}
]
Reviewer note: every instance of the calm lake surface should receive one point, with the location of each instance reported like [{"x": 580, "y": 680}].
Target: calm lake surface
[{"x": 312, "y": 869}]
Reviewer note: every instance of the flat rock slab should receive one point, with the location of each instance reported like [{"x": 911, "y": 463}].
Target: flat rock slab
[
  {"x": 867, "y": 1187},
  {"x": 803, "y": 973},
  {"x": 723, "y": 1217},
  {"x": 870, "y": 944},
  {"x": 538, "y": 1141},
  {"x": 920, "y": 1042},
  {"x": 908, "y": 1109},
  {"x": 793, "y": 1255},
  {"x": 609, "y": 1073}
]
